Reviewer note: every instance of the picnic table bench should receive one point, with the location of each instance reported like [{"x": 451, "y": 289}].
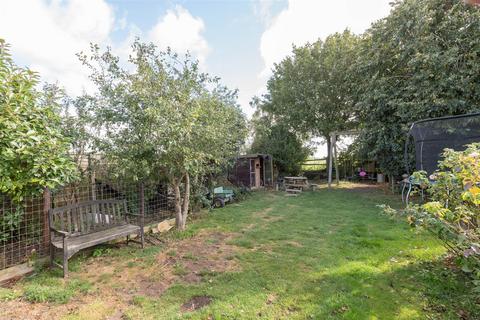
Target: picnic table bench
[
  {"x": 295, "y": 185},
  {"x": 86, "y": 224}
]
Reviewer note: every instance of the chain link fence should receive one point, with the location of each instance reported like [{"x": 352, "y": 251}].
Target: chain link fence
[{"x": 24, "y": 231}]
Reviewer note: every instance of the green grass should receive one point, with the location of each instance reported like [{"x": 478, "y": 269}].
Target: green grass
[
  {"x": 328, "y": 254},
  {"x": 323, "y": 255},
  {"x": 7, "y": 294},
  {"x": 50, "y": 288}
]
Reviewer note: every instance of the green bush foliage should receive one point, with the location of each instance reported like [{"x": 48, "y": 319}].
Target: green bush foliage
[
  {"x": 452, "y": 212},
  {"x": 285, "y": 146},
  {"x": 10, "y": 221},
  {"x": 162, "y": 117},
  {"x": 310, "y": 92},
  {"x": 33, "y": 151},
  {"x": 419, "y": 62}
]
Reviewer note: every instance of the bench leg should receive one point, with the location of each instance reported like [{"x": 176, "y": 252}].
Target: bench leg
[
  {"x": 65, "y": 264},
  {"x": 128, "y": 239},
  {"x": 65, "y": 258}
]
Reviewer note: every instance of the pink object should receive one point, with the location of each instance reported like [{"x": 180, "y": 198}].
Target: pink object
[{"x": 363, "y": 173}]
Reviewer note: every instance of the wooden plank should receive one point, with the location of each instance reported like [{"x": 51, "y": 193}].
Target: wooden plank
[
  {"x": 69, "y": 221},
  {"x": 294, "y": 190},
  {"x": 76, "y": 220},
  {"x": 82, "y": 219},
  {"x": 62, "y": 219},
  {"x": 47, "y": 205},
  {"x": 85, "y": 203},
  {"x": 19, "y": 271},
  {"x": 114, "y": 214},
  {"x": 92, "y": 239}
]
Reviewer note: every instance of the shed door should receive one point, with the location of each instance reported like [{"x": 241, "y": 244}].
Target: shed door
[
  {"x": 252, "y": 173},
  {"x": 242, "y": 172}
]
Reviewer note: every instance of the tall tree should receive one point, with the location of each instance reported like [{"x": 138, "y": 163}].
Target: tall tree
[
  {"x": 33, "y": 151},
  {"x": 164, "y": 116},
  {"x": 421, "y": 61},
  {"x": 288, "y": 150},
  {"x": 311, "y": 90}
]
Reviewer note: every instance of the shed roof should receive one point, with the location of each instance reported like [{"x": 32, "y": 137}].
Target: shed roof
[{"x": 253, "y": 155}]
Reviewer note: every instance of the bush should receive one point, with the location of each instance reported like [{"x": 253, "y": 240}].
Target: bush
[{"x": 453, "y": 210}]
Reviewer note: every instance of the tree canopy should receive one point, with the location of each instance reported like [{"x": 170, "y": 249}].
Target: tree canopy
[
  {"x": 311, "y": 90},
  {"x": 163, "y": 117},
  {"x": 421, "y": 61},
  {"x": 287, "y": 149}
]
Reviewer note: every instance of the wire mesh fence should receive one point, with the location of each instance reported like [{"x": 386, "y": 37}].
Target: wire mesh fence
[{"x": 24, "y": 231}]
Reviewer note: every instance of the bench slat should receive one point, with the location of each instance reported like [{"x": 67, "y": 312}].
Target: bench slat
[
  {"x": 85, "y": 203},
  {"x": 69, "y": 220},
  {"x": 89, "y": 216},
  {"x": 88, "y": 240}
]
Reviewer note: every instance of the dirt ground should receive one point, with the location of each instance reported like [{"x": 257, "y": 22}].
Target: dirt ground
[{"x": 118, "y": 281}]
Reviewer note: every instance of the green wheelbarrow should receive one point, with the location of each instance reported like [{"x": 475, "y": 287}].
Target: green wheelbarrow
[{"x": 221, "y": 196}]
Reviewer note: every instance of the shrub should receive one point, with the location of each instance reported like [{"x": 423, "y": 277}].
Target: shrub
[
  {"x": 453, "y": 210},
  {"x": 33, "y": 152}
]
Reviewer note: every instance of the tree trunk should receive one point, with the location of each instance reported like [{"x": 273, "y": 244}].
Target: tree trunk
[
  {"x": 186, "y": 200},
  {"x": 328, "y": 150},
  {"x": 329, "y": 161},
  {"x": 335, "y": 161},
  {"x": 178, "y": 205}
]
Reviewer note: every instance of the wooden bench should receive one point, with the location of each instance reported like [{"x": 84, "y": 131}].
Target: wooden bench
[{"x": 86, "y": 224}]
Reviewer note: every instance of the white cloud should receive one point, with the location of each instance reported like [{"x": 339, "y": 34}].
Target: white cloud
[
  {"x": 262, "y": 9},
  {"x": 307, "y": 20},
  {"x": 47, "y": 35},
  {"x": 182, "y": 32}
]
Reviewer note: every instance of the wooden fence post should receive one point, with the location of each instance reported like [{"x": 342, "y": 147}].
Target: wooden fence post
[
  {"x": 47, "y": 204},
  {"x": 142, "y": 212}
]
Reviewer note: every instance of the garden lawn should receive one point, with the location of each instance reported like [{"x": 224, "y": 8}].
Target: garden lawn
[{"x": 328, "y": 254}]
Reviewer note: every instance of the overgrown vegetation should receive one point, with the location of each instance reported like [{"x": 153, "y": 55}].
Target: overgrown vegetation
[{"x": 452, "y": 211}]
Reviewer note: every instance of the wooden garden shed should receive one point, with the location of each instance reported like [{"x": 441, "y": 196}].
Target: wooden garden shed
[{"x": 253, "y": 171}]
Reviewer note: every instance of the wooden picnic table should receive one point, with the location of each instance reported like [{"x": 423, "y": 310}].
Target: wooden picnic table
[
  {"x": 294, "y": 185},
  {"x": 296, "y": 181}
]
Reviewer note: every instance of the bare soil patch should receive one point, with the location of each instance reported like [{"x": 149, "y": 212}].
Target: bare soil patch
[
  {"x": 196, "y": 303},
  {"x": 118, "y": 280}
]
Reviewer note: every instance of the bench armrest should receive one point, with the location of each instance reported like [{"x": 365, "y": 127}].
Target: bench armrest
[
  {"x": 59, "y": 232},
  {"x": 133, "y": 214}
]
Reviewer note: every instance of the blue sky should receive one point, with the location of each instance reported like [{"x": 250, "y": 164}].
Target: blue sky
[{"x": 238, "y": 40}]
